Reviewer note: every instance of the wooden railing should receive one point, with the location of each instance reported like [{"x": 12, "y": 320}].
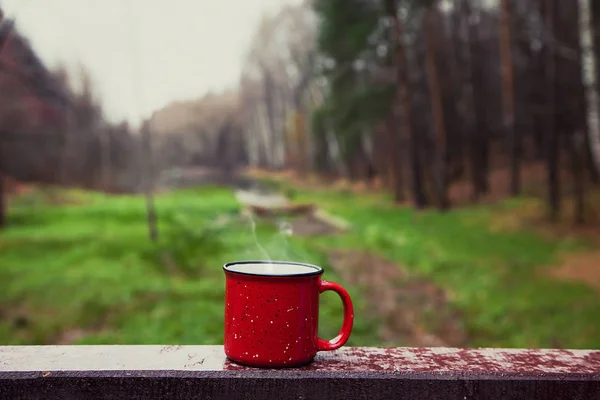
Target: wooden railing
[{"x": 202, "y": 372}]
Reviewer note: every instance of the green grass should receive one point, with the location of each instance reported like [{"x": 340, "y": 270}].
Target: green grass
[
  {"x": 92, "y": 267},
  {"x": 495, "y": 278}
]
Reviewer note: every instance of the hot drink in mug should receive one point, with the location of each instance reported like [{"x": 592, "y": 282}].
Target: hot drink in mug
[{"x": 272, "y": 313}]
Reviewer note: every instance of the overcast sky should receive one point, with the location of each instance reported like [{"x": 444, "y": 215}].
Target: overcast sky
[{"x": 143, "y": 54}]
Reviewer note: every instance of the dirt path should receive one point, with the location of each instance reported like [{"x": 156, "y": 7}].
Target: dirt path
[
  {"x": 580, "y": 268},
  {"x": 414, "y": 311}
]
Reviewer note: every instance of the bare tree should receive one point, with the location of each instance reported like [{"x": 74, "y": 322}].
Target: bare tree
[
  {"x": 479, "y": 146},
  {"x": 590, "y": 66},
  {"x": 275, "y": 83},
  {"x": 431, "y": 23},
  {"x": 508, "y": 95},
  {"x": 404, "y": 100},
  {"x": 148, "y": 182},
  {"x": 552, "y": 147},
  {"x": 32, "y": 104},
  {"x": 391, "y": 130}
]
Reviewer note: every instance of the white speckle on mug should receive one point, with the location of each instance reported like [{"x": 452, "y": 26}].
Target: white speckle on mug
[
  {"x": 291, "y": 309},
  {"x": 271, "y": 321},
  {"x": 251, "y": 320}
]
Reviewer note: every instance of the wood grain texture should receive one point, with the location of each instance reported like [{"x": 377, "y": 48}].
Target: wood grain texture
[{"x": 193, "y": 372}]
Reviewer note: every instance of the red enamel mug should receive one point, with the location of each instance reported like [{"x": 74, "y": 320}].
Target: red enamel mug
[{"x": 272, "y": 313}]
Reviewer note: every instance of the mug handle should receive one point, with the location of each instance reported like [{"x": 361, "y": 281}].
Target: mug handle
[{"x": 342, "y": 337}]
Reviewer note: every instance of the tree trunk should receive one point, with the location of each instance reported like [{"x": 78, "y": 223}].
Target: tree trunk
[
  {"x": 394, "y": 163},
  {"x": 367, "y": 172},
  {"x": 269, "y": 98},
  {"x": 508, "y": 95},
  {"x": 149, "y": 183},
  {"x": 538, "y": 96},
  {"x": 296, "y": 148},
  {"x": 435, "y": 93},
  {"x": 263, "y": 136},
  {"x": 299, "y": 111},
  {"x": 552, "y": 148},
  {"x": 479, "y": 147},
  {"x": 281, "y": 143},
  {"x": 321, "y": 157},
  {"x": 392, "y": 130},
  {"x": 404, "y": 101},
  {"x": 106, "y": 158},
  {"x": 466, "y": 101},
  {"x": 460, "y": 122},
  {"x": 590, "y": 41},
  {"x": 577, "y": 152},
  {"x": 583, "y": 107},
  {"x": 335, "y": 155}
]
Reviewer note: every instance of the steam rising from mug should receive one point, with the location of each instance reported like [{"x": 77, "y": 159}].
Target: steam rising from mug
[
  {"x": 262, "y": 249},
  {"x": 285, "y": 230}
]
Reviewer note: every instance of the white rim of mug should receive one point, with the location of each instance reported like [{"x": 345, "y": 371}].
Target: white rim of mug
[{"x": 317, "y": 270}]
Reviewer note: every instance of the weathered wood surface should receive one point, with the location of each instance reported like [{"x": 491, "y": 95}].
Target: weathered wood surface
[{"x": 199, "y": 372}]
